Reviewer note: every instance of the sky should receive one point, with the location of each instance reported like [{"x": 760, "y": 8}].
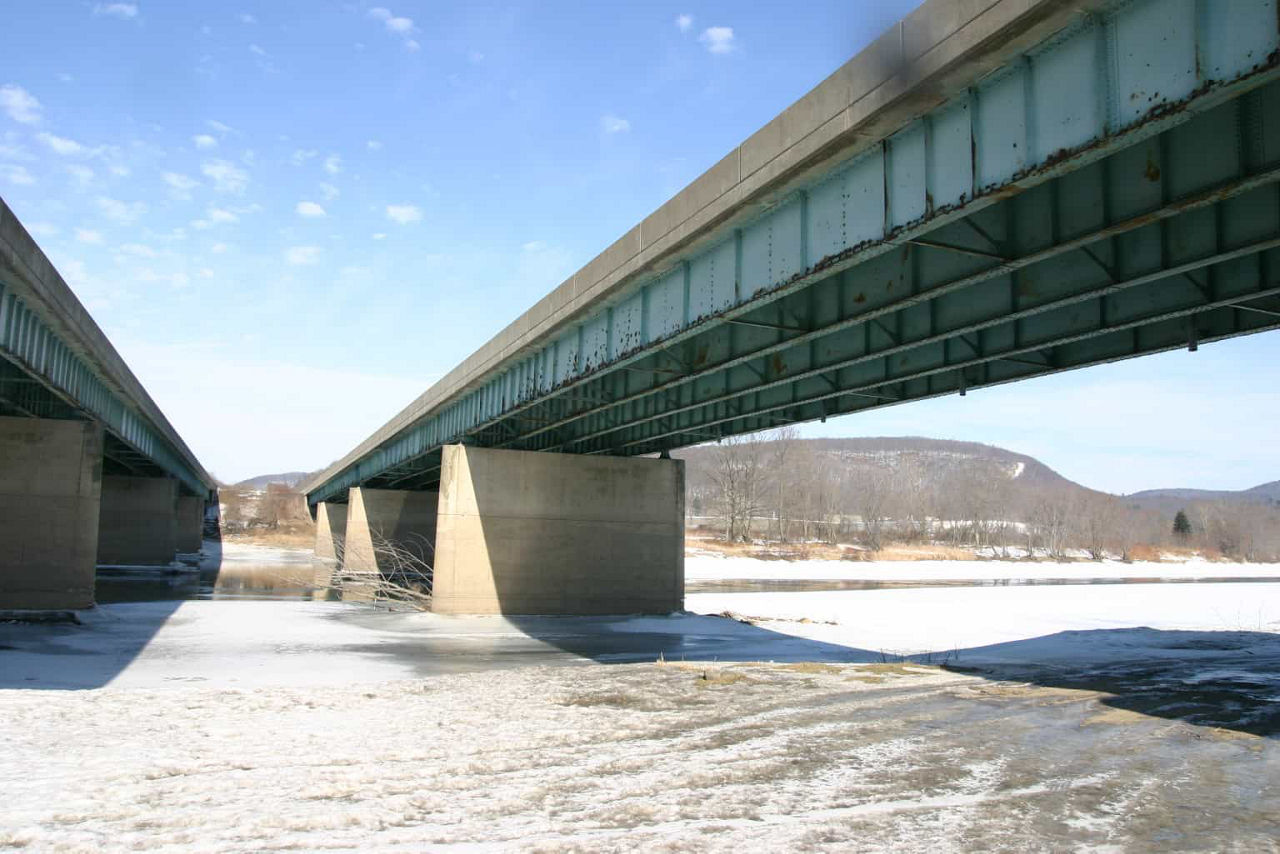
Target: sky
[{"x": 291, "y": 217}]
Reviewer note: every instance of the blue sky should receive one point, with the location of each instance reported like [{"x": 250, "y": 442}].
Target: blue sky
[{"x": 292, "y": 217}]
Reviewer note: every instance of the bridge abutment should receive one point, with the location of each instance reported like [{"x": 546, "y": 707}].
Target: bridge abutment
[
  {"x": 521, "y": 532},
  {"x": 50, "y": 484},
  {"x": 138, "y": 524}
]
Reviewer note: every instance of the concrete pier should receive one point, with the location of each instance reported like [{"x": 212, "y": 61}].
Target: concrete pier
[
  {"x": 331, "y": 531},
  {"x": 50, "y": 482},
  {"x": 399, "y": 517},
  {"x": 190, "y": 523},
  {"x": 138, "y": 522},
  {"x": 520, "y": 532}
]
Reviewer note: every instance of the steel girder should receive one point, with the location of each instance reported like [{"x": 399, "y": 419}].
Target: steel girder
[
  {"x": 1112, "y": 194},
  {"x": 40, "y": 376}
]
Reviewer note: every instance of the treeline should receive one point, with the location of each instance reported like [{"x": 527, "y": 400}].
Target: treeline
[{"x": 778, "y": 487}]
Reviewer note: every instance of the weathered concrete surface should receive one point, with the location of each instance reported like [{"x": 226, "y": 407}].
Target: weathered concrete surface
[
  {"x": 50, "y": 482},
  {"x": 190, "y": 523},
  {"x": 138, "y": 522},
  {"x": 399, "y": 517},
  {"x": 938, "y": 50},
  {"x": 331, "y": 530},
  {"x": 533, "y": 533}
]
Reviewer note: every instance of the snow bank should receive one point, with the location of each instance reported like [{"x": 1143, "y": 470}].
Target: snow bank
[{"x": 712, "y": 567}]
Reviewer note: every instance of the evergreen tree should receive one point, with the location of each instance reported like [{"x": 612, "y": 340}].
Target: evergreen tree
[{"x": 1181, "y": 525}]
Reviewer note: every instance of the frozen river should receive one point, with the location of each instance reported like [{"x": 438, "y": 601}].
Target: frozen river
[{"x": 235, "y": 710}]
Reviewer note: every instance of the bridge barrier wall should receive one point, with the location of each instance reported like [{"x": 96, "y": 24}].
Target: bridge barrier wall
[
  {"x": 50, "y": 483},
  {"x": 520, "y": 532}
]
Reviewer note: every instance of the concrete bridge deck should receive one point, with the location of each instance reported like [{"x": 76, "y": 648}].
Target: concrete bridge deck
[{"x": 993, "y": 190}]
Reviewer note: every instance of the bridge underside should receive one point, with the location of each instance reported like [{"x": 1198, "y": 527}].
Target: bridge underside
[{"x": 1170, "y": 242}]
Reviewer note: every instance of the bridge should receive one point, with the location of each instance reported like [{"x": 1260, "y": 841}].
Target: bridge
[
  {"x": 91, "y": 472},
  {"x": 991, "y": 191}
]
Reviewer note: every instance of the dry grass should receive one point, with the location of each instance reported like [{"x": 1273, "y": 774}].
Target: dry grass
[
  {"x": 899, "y": 551},
  {"x": 824, "y": 551},
  {"x": 293, "y": 536}
]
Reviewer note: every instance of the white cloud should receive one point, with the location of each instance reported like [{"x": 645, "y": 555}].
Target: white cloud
[
  {"x": 215, "y": 216},
  {"x": 180, "y": 186},
  {"x": 218, "y": 248},
  {"x": 15, "y": 174},
  {"x": 20, "y": 104},
  {"x": 403, "y": 214},
  {"x": 533, "y": 246},
  {"x": 396, "y": 25},
  {"x": 256, "y": 50},
  {"x": 300, "y": 256},
  {"x": 221, "y": 215},
  {"x": 119, "y": 170},
  {"x": 311, "y": 210},
  {"x": 329, "y": 192},
  {"x": 204, "y": 140},
  {"x": 177, "y": 280},
  {"x": 379, "y": 235},
  {"x": 225, "y": 175},
  {"x": 302, "y": 155},
  {"x": 83, "y": 174},
  {"x": 246, "y": 18},
  {"x": 373, "y": 145},
  {"x": 684, "y": 22},
  {"x": 218, "y": 126},
  {"x": 137, "y": 250},
  {"x": 43, "y": 229},
  {"x": 205, "y": 273},
  {"x": 61, "y": 145},
  {"x": 124, "y": 213},
  {"x": 718, "y": 39},
  {"x": 125, "y": 11},
  {"x": 614, "y": 124},
  {"x": 333, "y": 164},
  {"x": 88, "y": 235}
]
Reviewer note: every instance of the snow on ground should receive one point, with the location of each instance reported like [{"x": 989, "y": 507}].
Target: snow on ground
[
  {"x": 1092, "y": 718},
  {"x": 640, "y": 757},
  {"x": 708, "y": 566},
  {"x": 962, "y": 618}
]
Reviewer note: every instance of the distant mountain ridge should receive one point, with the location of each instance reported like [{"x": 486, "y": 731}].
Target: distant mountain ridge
[
  {"x": 288, "y": 478},
  {"x": 1164, "y": 499}
]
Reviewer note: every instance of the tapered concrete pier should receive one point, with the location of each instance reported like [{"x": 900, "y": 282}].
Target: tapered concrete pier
[
  {"x": 387, "y": 517},
  {"x": 520, "y": 532}
]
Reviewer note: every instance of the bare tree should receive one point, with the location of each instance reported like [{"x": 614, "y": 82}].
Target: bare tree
[{"x": 738, "y": 474}]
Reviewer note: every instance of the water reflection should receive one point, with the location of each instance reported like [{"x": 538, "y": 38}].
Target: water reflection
[
  {"x": 218, "y": 573},
  {"x": 239, "y": 572}
]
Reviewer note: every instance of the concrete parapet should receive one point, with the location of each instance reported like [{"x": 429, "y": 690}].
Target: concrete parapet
[
  {"x": 50, "y": 482},
  {"x": 397, "y": 517},
  {"x": 522, "y": 532},
  {"x": 190, "y": 523},
  {"x": 138, "y": 522}
]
